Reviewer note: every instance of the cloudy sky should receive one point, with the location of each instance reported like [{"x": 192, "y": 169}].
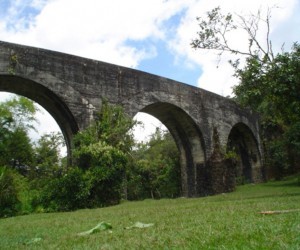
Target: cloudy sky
[{"x": 149, "y": 35}]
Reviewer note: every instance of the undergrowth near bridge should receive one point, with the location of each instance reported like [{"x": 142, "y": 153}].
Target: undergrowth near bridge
[{"x": 226, "y": 221}]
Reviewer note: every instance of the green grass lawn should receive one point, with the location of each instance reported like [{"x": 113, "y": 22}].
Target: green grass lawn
[{"x": 226, "y": 221}]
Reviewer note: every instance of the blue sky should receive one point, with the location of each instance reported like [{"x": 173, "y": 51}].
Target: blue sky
[{"x": 149, "y": 35}]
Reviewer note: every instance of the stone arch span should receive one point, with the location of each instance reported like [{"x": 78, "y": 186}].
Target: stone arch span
[
  {"x": 47, "y": 99},
  {"x": 189, "y": 141},
  {"x": 248, "y": 167}
]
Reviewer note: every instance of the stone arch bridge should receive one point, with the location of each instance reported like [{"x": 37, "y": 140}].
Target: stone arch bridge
[{"x": 203, "y": 124}]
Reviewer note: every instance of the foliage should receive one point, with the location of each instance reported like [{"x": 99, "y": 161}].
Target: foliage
[
  {"x": 103, "y": 152},
  {"x": 18, "y": 112},
  {"x": 15, "y": 193},
  {"x": 17, "y": 117},
  {"x": 64, "y": 193},
  {"x": 272, "y": 89},
  {"x": 111, "y": 126},
  {"x": 231, "y": 155},
  {"x": 9, "y": 201},
  {"x": 107, "y": 164},
  {"x": 156, "y": 173},
  {"x": 47, "y": 154},
  {"x": 96, "y": 186},
  {"x": 16, "y": 150}
]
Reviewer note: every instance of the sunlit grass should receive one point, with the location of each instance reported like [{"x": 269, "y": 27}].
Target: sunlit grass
[{"x": 226, "y": 221}]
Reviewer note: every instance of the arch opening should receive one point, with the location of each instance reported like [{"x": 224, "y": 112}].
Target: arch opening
[
  {"x": 243, "y": 144},
  {"x": 45, "y": 98},
  {"x": 190, "y": 144}
]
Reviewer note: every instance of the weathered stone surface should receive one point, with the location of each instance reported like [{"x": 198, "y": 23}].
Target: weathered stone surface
[{"x": 72, "y": 89}]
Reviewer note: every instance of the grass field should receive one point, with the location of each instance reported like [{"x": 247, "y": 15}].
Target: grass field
[{"x": 226, "y": 221}]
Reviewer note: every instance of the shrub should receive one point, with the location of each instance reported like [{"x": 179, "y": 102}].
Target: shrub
[
  {"x": 65, "y": 193},
  {"x": 9, "y": 201}
]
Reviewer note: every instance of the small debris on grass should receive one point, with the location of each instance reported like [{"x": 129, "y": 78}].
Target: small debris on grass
[
  {"x": 140, "y": 225},
  {"x": 33, "y": 240},
  {"x": 100, "y": 227},
  {"x": 280, "y": 211}
]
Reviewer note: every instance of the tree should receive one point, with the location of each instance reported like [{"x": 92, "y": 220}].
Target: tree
[
  {"x": 103, "y": 150},
  {"x": 112, "y": 128},
  {"x": 273, "y": 90},
  {"x": 17, "y": 150},
  {"x": 9, "y": 200},
  {"x": 217, "y": 28},
  {"x": 47, "y": 153},
  {"x": 18, "y": 112},
  {"x": 268, "y": 83},
  {"x": 17, "y": 117},
  {"x": 156, "y": 172}
]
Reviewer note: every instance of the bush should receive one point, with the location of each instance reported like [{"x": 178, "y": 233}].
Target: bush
[
  {"x": 95, "y": 187},
  {"x": 104, "y": 167},
  {"x": 279, "y": 159},
  {"x": 68, "y": 192},
  {"x": 9, "y": 201}
]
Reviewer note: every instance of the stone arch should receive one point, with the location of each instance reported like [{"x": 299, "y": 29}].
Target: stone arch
[
  {"x": 248, "y": 166},
  {"x": 189, "y": 141},
  {"x": 47, "y": 99}
]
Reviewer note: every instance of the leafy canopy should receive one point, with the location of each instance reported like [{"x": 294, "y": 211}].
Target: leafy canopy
[{"x": 17, "y": 117}]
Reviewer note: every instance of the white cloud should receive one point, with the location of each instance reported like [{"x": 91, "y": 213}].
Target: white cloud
[{"x": 97, "y": 29}]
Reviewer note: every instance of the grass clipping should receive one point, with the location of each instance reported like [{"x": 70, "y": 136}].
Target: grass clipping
[
  {"x": 103, "y": 226},
  {"x": 280, "y": 211},
  {"x": 100, "y": 227},
  {"x": 139, "y": 225}
]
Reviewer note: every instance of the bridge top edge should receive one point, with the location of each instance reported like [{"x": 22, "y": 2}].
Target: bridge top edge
[
  {"x": 89, "y": 61},
  {"x": 92, "y": 62}
]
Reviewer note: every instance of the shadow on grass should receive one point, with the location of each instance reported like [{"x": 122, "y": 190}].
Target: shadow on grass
[
  {"x": 282, "y": 195},
  {"x": 286, "y": 188},
  {"x": 294, "y": 182},
  {"x": 259, "y": 197}
]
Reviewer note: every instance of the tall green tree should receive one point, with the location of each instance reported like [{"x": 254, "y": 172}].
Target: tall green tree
[
  {"x": 111, "y": 129},
  {"x": 156, "y": 172},
  {"x": 47, "y": 153},
  {"x": 272, "y": 88},
  {"x": 17, "y": 117},
  {"x": 103, "y": 150}
]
